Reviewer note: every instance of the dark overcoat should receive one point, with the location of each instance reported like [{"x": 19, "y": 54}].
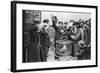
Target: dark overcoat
[{"x": 34, "y": 50}]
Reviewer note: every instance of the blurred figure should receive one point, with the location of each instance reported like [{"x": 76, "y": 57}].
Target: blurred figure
[
  {"x": 65, "y": 26},
  {"x": 63, "y": 43},
  {"x": 70, "y": 24},
  {"x": 51, "y": 53},
  {"x": 86, "y": 54},
  {"x": 60, "y": 26},
  {"x": 54, "y": 22},
  {"x": 44, "y": 41},
  {"x": 76, "y": 37},
  {"x": 34, "y": 50}
]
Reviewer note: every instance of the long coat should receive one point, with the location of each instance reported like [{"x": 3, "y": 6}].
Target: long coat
[
  {"x": 34, "y": 50},
  {"x": 45, "y": 44}
]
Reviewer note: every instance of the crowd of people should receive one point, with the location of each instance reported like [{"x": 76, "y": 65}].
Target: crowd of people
[{"x": 70, "y": 38}]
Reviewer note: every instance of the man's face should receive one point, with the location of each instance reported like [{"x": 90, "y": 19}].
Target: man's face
[
  {"x": 45, "y": 27},
  {"x": 65, "y": 24},
  {"x": 60, "y": 26},
  {"x": 72, "y": 22}
]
